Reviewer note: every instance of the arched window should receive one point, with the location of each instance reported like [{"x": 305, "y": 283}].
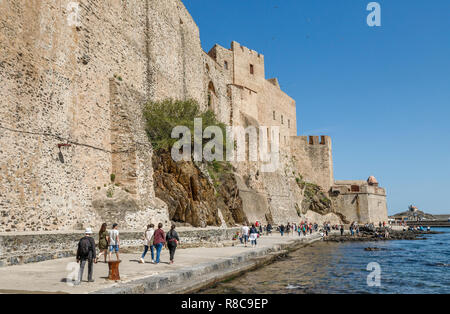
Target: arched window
[{"x": 212, "y": 96}]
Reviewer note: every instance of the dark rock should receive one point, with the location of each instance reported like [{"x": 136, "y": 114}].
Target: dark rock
[{"x": 190, "y": 196}]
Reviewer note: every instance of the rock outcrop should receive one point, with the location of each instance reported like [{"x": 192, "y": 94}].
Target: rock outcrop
[{"x": 193, "y": 197}]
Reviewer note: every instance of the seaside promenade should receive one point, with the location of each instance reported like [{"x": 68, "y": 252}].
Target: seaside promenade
[{"x": 193, "y": 269}]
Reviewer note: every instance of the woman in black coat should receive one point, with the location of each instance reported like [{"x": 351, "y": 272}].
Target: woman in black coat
[{"x": 172, "y": 240}]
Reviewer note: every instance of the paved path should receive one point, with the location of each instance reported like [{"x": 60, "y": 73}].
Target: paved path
[{"x": 50, "y": 276}]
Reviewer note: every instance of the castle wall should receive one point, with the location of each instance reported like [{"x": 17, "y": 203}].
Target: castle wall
[
  {"x": 275, "y": 108},
  {"x": 175, "y": 55},
  {"x": 54, "y": 90},
  {"x": 224, "y": 58},
  {"x": 55, "y": 75},
  {"x": 242, "y": 59},
  {"x": 368, "y": 205},
  {"x": 216, "y": 83},
  {"x": 313, "y": 158},
  {"x": 81, "y": 83},
  {"x": 133, "y": 199}
]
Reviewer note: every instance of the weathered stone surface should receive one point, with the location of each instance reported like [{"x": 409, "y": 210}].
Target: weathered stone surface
[
  {"x": 191, "y": 197},
  {"x": 73, "y": 85}
]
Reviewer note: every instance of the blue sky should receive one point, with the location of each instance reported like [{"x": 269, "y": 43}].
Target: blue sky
[{"x": 381, "y": 93}]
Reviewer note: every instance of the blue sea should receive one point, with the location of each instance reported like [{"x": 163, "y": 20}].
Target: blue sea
[{"x": 404, "y": 266}]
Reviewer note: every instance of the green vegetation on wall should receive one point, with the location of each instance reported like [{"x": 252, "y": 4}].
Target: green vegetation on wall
[
  {"x": 314, "y": 198},
  {"x": 217, "y": 169},
  {"x": 163, "y": 116}
]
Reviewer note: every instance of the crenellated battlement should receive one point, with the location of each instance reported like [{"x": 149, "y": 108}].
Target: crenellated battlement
[
  {"x": 319, "y": 140},
  {"x": 237, "y": 47},
  {"x": 315, "y": 140}
]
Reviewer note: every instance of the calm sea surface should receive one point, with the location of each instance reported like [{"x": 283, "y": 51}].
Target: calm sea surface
[{"x": 421, "y": 266}]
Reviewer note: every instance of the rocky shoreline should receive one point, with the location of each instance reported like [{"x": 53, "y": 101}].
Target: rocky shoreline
[{"x": 367, "y": 234}]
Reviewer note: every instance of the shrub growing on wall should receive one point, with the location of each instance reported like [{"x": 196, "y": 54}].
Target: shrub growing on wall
[{"x": 161, "y": 117}]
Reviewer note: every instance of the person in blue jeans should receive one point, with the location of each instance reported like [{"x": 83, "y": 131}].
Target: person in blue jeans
[
  {"x": 148, "y": 243},
  {"x": 159, "y": 241}
]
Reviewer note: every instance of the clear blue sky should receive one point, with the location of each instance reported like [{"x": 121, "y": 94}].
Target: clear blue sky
[{"x": 382, "y": 94}]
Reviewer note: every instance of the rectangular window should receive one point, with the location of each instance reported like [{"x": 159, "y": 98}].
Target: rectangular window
[
  {"x": 281, "y": 119},
  {"x": 274, "y": 115},
  {"x": 225, "y": 65},
  {"x": 289, "y": 124},
  {"x": 252, "y": 69}
]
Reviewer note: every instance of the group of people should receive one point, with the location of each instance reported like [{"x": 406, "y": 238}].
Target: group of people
[
  {"x": 354, "y": 229},
  {"x": 250, "y": 234},
  {"x": 109, "y": 242},
  {"x": 155, "y": 240},
  {"x": 418, "y": 228},
  {"x": 303, "y": 228}
]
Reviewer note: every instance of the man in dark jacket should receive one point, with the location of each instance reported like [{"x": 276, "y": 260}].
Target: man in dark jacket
[
  {"x": 269, "y": 229},
  {"x": 86, "y": 253}
]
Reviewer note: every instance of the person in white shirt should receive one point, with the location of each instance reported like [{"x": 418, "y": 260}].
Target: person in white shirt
[
  {"x": 148, "y": 243},
  {"x": 245, "y": 230},
  {"x": 114, "y": 241}
]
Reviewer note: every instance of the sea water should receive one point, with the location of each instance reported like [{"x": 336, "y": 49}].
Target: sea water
[{"x": 402, "y": 266}]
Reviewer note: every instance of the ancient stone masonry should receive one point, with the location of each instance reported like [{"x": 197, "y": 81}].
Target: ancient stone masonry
[
  {"x": 360, "y": 201},
  {"x": 73, "y": 150},
  {"x": 313, "y": 159},
  {"x": 55, "y": 89}
]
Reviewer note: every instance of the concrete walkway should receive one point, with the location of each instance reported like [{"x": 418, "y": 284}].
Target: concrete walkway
[{"x": 50, "y": 276}]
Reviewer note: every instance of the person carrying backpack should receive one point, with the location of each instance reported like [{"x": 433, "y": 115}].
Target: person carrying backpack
[
  {"x": 172, "y": 240},
  {"x": 86, "y": 253}
]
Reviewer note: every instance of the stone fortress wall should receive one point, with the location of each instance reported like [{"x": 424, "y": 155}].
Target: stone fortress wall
[
  {"x": 83, "y": 86},
  {"x": 55, "y": 89},
  {"x": 360, "y": 201}
]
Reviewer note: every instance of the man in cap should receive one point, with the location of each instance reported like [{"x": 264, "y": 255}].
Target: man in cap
[{"x": 86, "y": 253}]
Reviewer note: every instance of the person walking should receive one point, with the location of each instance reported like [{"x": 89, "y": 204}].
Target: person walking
[
  {"x": 245, "y": 232},
  {"x": 342, "y": 230},
  {"x": 159, "y": 241},
  {"x": 148, "y": 243},
  {"x": 114, "y": 241},
  {"x": 86, "y": 254},
  {"x": 269, "y": 229},
  {"x": 103, "y": 240},
  {"x": 282, "y": 230},
  {"x": 172, "y": 240},
  {"x": 253, "y": 235}
]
